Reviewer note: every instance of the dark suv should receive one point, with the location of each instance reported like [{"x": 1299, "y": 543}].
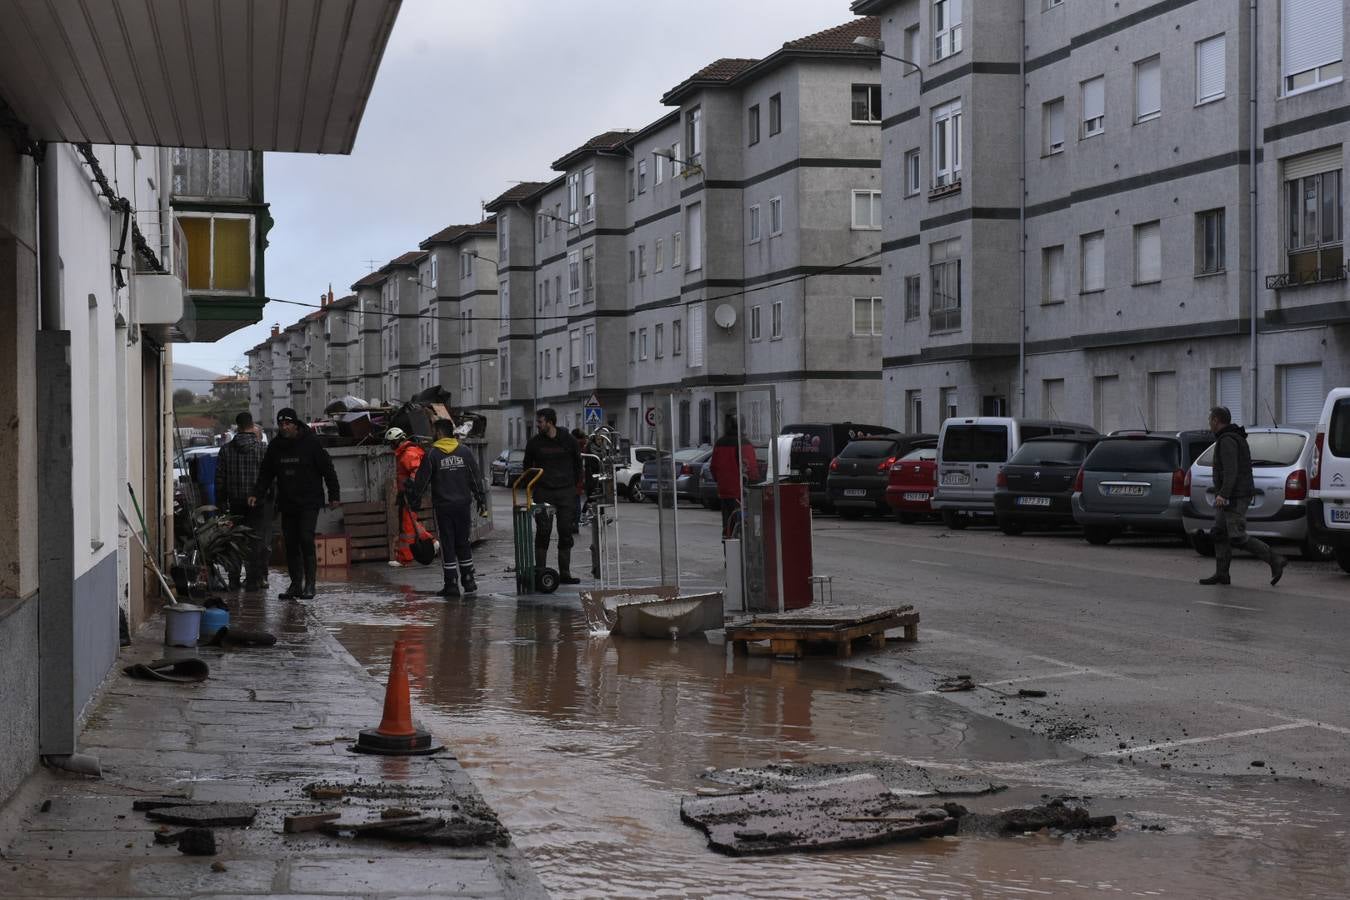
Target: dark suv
[
  {"x": 816, "y": 445},
  {"x": 1035, "y": 488},
  {"x": 859, "y": 474},
  {"x": 1136, "y": 481}
]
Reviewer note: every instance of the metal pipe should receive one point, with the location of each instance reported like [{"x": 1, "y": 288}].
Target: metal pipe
[
  {"x": 1022, "y": 227},
  {"x": 1254, "y": 238}
]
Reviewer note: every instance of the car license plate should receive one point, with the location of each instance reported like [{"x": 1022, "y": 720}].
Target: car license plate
[
  {"x": 855, "y": 492},
  {"x": 955, "y": 478},
  {"x": 1126, "y": 490},
  {"x": 917, "y": 496},
  {"x": 1340, "y": 515},
  {"x": 1033, "y": 501}
]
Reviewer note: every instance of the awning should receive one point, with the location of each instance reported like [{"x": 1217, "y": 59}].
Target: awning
[{"x": 224, "y": 74}]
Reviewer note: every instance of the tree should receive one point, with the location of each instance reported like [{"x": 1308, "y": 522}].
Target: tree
[{"x": 183, "y": 397}]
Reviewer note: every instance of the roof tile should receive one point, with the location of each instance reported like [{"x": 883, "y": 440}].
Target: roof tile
[{"x": 840, "y": 37}]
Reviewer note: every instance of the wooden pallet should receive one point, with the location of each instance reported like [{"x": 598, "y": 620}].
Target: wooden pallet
[{"x": 790, "y": 634}]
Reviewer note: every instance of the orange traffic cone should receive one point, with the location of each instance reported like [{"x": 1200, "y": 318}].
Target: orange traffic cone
[{"x": 396, "y": 736}]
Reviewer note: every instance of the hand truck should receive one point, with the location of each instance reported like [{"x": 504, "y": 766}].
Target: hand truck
[{"x": 529, "y": 578}]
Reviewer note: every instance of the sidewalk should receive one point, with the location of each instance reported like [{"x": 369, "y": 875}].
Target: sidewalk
[{"x": 268, "y": 723}]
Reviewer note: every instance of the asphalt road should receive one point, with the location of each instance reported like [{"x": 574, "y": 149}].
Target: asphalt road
[{"x": 1139, "y": 662}]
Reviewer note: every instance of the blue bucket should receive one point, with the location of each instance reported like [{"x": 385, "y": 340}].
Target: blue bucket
[{"x": 213, "y": 619}]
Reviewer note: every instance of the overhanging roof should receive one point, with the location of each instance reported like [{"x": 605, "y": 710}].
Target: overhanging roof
[{"x": 223, "y": 74}]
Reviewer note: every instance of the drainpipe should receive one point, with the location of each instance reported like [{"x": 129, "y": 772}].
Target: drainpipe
[
  {"x": 1022, "y": 228},
  {"x": 49, "y": 247},
  {"x": 1254, "y": 239}
]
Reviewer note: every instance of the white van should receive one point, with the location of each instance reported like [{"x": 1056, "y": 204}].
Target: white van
[
  {"x": 972, "y": 451},
  {"x": 1329, "y": 477}
]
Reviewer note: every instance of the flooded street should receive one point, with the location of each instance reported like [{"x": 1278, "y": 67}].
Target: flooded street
[{"x": 585, "y": 744}]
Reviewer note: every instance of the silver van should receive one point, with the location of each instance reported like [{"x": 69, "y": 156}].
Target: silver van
[
  {"x": 971, "y": 451},
  {"x": 1329, "y": 477}
]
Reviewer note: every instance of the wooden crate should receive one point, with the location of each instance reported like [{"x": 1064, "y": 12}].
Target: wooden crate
[{"x": 791, "y": 634}]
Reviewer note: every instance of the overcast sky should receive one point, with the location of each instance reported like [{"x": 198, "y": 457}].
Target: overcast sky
[{"x": 471, "y": 96}]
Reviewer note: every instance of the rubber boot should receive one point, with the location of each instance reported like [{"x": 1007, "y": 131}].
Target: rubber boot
[
  {"x": 466, "y": 577},
  {"x": 297, "y": 586},
  {"x": 565, "y": 567},
  {"x": 450, "y": 590},
  {"x": 311, "y": 570}
]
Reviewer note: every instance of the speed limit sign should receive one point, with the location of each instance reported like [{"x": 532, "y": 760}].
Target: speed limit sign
[{"x": 653, "y": 416}]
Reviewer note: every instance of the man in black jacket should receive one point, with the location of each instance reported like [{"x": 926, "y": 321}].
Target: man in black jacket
[
  {"x": 448, "y": 468},
  {"x": 302, "y": 470},
  {"x": 1233, "y": 492},
  {"x": 555, "y": 451},
  {"x": 237, "y": 469}
]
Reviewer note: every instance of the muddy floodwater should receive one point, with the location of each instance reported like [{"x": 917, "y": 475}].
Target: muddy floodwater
[{"x": 585, "y": 744}]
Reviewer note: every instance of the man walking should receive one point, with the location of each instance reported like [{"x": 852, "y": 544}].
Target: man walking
[
  {"x": 554, "y": 451},
  {"x": 452, "y": 475},
  {"x": 237, "y": 469},
  {"x": 1233, "y": 492},
  {"x": 733, "y": 460},
  {"x": 302, "y": 470},
  {"x": 407, "y": 459}
]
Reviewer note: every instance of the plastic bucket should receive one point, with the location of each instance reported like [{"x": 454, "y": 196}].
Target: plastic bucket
[
  {"x": 213, "y": 619},
  {"x": 182, "y": 624}
]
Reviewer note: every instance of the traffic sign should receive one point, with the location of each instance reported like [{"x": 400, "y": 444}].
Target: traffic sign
[
  {"x": 594, "y": 402},
  {"x": 653, "y": 416},
  {"x": 593, "y": 416}
]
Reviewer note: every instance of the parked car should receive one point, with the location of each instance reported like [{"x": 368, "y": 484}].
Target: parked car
[
  {"x": 909, "y": 490},
  {"x": 707, "y": 486},
  {"x": 1035, "y": 488},
  {"x": 1281, "y": 457},
  {"x": 506, "y": 468},
  {"x": 1136, "y": 482},
  {"x": 1329, "y": 477},
  {"x": 817, "y": 447},
  {"x": 656, "y": 473},
  {"x": 628, "y": 470},
  {"x": 970, "y": 453},
  {"x": 860, "y": 473}
]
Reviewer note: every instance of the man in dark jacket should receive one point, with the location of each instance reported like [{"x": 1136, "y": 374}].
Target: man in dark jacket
[
  {"x": 1233, "y": 492},
  {"x": 237, "y": 469},
  {"x": 555, "y": 451},
  {"x": 302, "y": 470},
  {"x": 733, "y": 461},
  {"x": 450, "y": 472}
]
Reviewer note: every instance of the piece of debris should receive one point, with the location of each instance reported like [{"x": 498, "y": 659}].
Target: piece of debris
[
  {"x": 46, "y": 806},
  {"x": 160, "y": 802},
  {"x": 197, "y": 842},
  {"x": 394, "y": 812},
  {"x": 1055, "y": 815},
  {"x": 956, "y": 684},
  {"x": 326, "y": 792},
  {"x": 426, "y": 830},
  {"x": 1258, "y": 763},
  {"x": 302, "y": 823},
  {"x": 218, "y": 867},
  {"x": 204, "y": 814},
  {"x": 1030, "y": 692},
  {"x": 1152, "y": 827},
  {"x": 898, "y": 775}
]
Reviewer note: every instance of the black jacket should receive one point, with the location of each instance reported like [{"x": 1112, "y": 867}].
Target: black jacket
[
  {"x": 301, "y": 468},
  {"x": 559, "y": 457},
  {"x": 452, "y": 475},
  {"x": 1233, "y": 464}
]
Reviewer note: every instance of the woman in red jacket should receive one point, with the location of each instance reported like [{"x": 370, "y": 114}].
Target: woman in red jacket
[{"x": 729, "y": 467}]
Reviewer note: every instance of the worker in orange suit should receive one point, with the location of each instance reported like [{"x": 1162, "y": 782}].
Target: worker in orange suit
[{"x": 408, "y": 455}]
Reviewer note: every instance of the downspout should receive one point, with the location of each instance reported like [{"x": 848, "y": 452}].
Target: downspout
[
  {"x": 49, "y": 247},
  {"x": 1254, "y": 238},
  {"x": 1022, "y": 228}
]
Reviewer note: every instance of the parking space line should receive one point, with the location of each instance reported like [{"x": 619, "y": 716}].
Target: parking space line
[
  {"x": 1250, "y": 732},
  {"x": 1041, "y": 677},
  {"x": 1229, "y": 606},
  {"x": 927, "y": 562}
]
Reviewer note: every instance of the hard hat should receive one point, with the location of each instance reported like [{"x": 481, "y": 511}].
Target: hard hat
[{"x": 394, "y": 435}]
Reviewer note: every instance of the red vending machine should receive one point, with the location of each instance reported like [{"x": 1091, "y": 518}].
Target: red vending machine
[{"x": 768, "y": 538}]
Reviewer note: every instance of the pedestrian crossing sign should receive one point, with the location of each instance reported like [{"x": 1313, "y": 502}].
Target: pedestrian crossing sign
[{"x": 593, "y": 416}]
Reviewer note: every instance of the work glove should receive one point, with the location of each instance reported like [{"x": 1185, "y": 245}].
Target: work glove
[{"x": 482, "y": 509}]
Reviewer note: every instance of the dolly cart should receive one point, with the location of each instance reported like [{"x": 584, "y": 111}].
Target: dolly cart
[{"x": 528, "y": 578}]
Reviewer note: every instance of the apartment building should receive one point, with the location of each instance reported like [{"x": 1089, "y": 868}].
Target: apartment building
[
  {"x": 344, "y": 347},
  {"x": 369, "y": 354},
  {"x": 1147, "y": 248}
]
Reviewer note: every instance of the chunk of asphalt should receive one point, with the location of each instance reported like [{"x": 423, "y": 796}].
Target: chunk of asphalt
[
  {"x": 1030, "y": 692},
  {"x": 197, "y": 842},
  {"x": 206, "y": 814}
]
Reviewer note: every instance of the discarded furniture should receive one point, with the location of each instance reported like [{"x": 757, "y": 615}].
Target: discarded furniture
[{"x": 792, "y": 633}]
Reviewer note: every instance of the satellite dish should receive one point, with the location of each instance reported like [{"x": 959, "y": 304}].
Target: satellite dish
[{"x": 725, "y": 316}]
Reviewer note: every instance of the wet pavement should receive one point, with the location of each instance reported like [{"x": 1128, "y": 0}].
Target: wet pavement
[{"x": 584, "y": 744}]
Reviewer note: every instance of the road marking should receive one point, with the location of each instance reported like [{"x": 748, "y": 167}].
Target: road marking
[
  {"x": 925, "y": 562},
  {"x": 1250, "y": 732},
  {"x": 1229, "y": 606},
  {"x": 1051, "y": 581},
  {"x": 1040, "y": 677}
]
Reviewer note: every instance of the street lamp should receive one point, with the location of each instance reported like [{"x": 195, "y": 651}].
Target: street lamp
[
  {"x": 476, "y": 255},
  {"x": 878, "y": 46}
]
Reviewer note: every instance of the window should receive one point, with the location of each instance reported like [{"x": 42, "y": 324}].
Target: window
[
  {"x": 588, "y": 275},
  {"x": 548, "y": 363},
  {"x": 1106, "y": 407},
  {"x": 693, "y": 133},
  {"x": 866, "y": 103},
  {"x": 776, "y": 323},
  {"x": 588, "y": 349},
  {"x": 752, "y": 125},
  {"x": 1051, "y": 4},
  {"x": 944, "y": 277},
  {"x": 1162, "y": 400},
  {"x": 434, "y": 270},
  {"x": 754, "y": 223},
  {"x": 695, "y": 227},
  {"x": 219, "y": 252},
  {"x": 465, "y": 264},
  {"x": 1210, "y": 70},
  {"x": 632, "y": 185},
  {"x": 503, "y": 240},
  {"x": 1094, "y": 106},
  {"x": 1052, "y": 127},
  {"x": 695, "y": 316},
  {"x": 504, "y": 292},
  {"x": 1226, "y": 390},
  {"x": 642, "y": 260},
  {"x": 946, "y": 28},
  {"x": 1301, "y": 392},
  {"x": 632, "y": 266},
  {"x": 573, "y": 278},
  {"x": 642, "y": 343},
  {"x": 947, "y": 144},
  {"x": 911, "y": 47},
  {"x": 503, "y": 372},
  {"x": 1052, "y": 398},
  {"x": 1209, "y": 242},
  {"x": 775, "y": 114},
  {"x": 1052, "y": 275},
  {"x": 1148, "y": 253},
  {"x": 1094, "y": 262},
  {"x": 642, "y": 175},
  {"x": 911, "y": 173},
  {"x": 775, "y": 216},
  {"x": 676, "y": 337},
  {"x": 1313, "y": 217},
  {"x": 587, "y": 195},
  {"x": 1311, "y": 33},
  {"x": 541, "y": 296},
  {"x": 755, "y": 330},
  {"x": 676, "y": 159},
  {"x": 632, "y": 347},
  {"x": 867, "y": 210},
  {"x": 659, "y": 338},
  {"x": 541, "y": 227},
  {"x": 912, "y": 301},
  {"x": 676, "y": 249},
  {"x": 1147, "y": 89},
  {"x": 557, "y": 288},
  {"x": 659, "y": 254},
  {"x": 947, "y": 404},
  {"x": 659, "y": 162},
  {"x": 867, "y": 315},
  {"x": 574, "y": 354},
  {"x": 914, "y": 411}
]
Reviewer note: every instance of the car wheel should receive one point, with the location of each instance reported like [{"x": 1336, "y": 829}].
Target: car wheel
[
  {"x": 953, "y": 520},
  {"x": 1315, "y": 552},
  {"x": 849, "y": 512},
  {"x": 1011, "y": 527},
  {"x": 1343, "y": 558},
  {"x": 1098, "y": 536},
  {"x": 1203, "y": 543},
  {"x": 906, "y": 518},
  {"x": 635, "y": 491}
]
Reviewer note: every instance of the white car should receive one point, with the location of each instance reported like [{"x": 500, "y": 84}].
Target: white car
[
  {"x": 1329, "y": 477},
  {"x": 628, "y": 471}
]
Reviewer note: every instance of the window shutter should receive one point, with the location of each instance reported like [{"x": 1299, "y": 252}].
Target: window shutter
[
  {"x": 695, "y": 335},
  {"x": 1148, "y": 252},
  {"x": 1228, "y": 392},
  {"x": 1210, "y": 72},
  {"x": 1094, "y": 98},
  {"x": 1164, "y": 385},
  {"x": 1312, "y": 163},
  {"x": 1147, "y": 87},
  {"x": 1094, "y": 262},
  {"x": 1108, "y": 403},
  {"x": 1310, "y": 34},
  {"x": 1303, "y": 395}
]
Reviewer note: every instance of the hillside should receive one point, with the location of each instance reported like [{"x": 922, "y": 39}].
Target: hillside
[{"x": 195, "y": 379}]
